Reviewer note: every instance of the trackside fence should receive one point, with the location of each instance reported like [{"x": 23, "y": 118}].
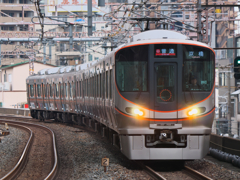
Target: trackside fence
[{"x": 225, "y": 144}]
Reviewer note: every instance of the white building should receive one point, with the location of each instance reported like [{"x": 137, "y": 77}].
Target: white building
[{"x": 13, "y": 83}]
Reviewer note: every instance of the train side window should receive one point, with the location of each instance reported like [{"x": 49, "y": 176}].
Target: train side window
[
  {"x": 42, "y": 92},
  {"x": 46, "y": 90},
  {"x": 66, "y": 90},
  {"x": 100, "y": 85},
  {"x": 106, "y": 84},
  {"x": 77, "y": 88},
  {"x": 70, "y": 91},
  {"x": 110, "y": 84},
  {"x": 38, "y": 90},
  {"x": 51, "y": 90},
  {"x": 35, "y": 90},
  {"x": 62, "y": 89},
  {"x": 87, "y": 88},
  {"x": 83, "y": 88},
  {"x": 92, "y": 85},
  {"x": 95, "y": 86},
  {"x": 57, "y": 90},
  {"x": 28, "y": 90},
  {"x": 74, "y": 88},
  {"x": 103, "y": 87},
  {"x": 31, "y": 91}
]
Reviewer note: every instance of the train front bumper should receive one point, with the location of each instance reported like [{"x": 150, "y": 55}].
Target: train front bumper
[{"x": 134, "y": 148}]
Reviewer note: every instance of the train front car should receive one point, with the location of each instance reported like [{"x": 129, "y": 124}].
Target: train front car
[{"x": 164, "y": 97}]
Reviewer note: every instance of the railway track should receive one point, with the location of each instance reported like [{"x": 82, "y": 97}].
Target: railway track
[
  {"x": 185, "y": 173},
  {"x": 33, "y": 149}
]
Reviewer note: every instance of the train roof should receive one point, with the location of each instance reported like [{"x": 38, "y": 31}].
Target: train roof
[
  {"x": 159, "y": 34},
  {"x": 163, "y": 41},
  {"x": 85, "y": 65},
  {"x": 67, "y": 69}
]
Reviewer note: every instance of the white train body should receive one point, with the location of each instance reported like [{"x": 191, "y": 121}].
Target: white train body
[{"x": 156, "y": 93}]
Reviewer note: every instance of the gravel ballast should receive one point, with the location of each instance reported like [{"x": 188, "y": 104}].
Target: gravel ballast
[
  {"x": 11, "y": 148},
  {"x": 80, "y": 153}
]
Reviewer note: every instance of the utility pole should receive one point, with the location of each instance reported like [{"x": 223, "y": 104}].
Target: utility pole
[
  {"x": 1, "y": 53},
  {"x": 44, "y": 52},
  {"x": 89, "y": 17},
  {"x": 229, "y": 88},
  {"x": 50, "y": 52},
  {"x": 199, "y": 25},
  {"x": 229, "y": 101},
  {"x": 70, "y": 37}
]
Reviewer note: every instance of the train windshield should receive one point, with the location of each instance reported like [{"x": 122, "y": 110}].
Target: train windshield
[
  {"x": 131, "y": 69},
  {"x": 198, "y": 68}
]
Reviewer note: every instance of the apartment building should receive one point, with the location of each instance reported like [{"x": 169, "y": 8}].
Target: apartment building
[{"x": 15, "y": 17}]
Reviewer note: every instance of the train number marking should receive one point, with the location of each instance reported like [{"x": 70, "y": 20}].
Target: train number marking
[{"x": 105, "y": 161}]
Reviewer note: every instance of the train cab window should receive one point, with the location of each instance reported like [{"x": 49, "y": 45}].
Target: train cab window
[
  {"x": 57, "y": 90},
  {"x": 131, "y": 69},
  {"x": 70, "y": 90},
  {"x": 165, "y": 82},
  {"x": 38, "y": 90},
  {"x": 31, "y": 91},
  {"x": 110, "y": 84},
  {"x": 198, "y": 68},
  {"x": 106, "y": 84}
]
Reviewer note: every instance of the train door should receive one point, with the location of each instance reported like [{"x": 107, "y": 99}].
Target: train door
[{"x": 165, "y": 93}]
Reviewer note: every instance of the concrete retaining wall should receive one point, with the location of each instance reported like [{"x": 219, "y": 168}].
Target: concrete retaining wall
[{"x": 23, "y": 112}]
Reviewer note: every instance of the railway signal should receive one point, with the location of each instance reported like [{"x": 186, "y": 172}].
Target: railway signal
[{"x": 237, "y": 67}]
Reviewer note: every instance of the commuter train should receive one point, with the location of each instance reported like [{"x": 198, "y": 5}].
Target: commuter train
[{"x": 155, "y": 94}]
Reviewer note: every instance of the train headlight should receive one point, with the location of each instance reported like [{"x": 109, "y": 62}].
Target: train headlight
[
  {"x": 138, "y": 112},
  {"x": 193, "y": 112}
]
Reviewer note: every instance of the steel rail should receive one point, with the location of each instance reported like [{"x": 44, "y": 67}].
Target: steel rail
[
  {"x": 23, "y": 158},
  {"x": 197, "y": 173},
  {"x": 53, "y": 172},
  {"x": 154, "y": 174},
  {"x": 189, "y": 171}
]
